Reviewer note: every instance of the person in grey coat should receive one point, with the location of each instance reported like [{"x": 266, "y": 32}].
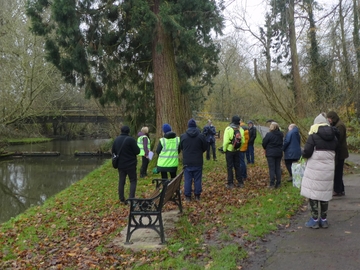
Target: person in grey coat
[{"x": 317, "y": 182}]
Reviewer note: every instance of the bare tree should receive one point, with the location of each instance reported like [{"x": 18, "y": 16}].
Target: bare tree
[{"x": 28, "y": 85}]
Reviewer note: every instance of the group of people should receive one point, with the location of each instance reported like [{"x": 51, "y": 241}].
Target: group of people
[
  {"x": 325, "y": 150},
  {"x": 193, "y": 143}
]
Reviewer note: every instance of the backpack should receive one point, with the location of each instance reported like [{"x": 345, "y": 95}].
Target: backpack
[{"x": 236, "y": 140}]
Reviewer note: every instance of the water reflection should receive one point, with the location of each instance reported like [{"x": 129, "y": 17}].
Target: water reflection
[{"x": 28, "y": 181}]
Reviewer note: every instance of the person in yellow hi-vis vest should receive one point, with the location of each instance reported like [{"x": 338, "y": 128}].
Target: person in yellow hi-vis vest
[
  {"x": 168, "y": 150},
  {"x": 144, "y": 143},
  {"x": 232, "y": 154},
  {"x": 243, "y": 149}
]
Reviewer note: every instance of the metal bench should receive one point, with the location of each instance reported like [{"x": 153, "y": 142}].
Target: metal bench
[{"x": 145, "y": 213}]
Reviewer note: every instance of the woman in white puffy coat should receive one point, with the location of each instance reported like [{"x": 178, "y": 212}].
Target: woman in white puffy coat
[{"x": 317, "y": 183}]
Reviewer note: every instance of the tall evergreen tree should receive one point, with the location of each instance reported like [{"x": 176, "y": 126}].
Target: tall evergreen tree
[{"x": 142, "y": 51}]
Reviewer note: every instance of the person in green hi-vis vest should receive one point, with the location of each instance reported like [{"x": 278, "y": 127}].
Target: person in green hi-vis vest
[
  {"x": 168, "y": 150},
  {"x": 144, "y": 144}
]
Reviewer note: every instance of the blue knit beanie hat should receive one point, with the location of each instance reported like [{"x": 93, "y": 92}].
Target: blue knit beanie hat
[{"x": 166, "y": 128}]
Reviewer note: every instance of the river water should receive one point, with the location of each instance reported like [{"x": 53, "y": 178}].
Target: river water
[{"x": 27, "y": 181}]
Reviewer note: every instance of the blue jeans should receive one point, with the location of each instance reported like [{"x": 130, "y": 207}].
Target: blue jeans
[
  {"x": 250, "y": 154},
  {"x": 192, "y": 174},
  {"x": 243, "y": 165},
  {"x": 274, "y": 170}
]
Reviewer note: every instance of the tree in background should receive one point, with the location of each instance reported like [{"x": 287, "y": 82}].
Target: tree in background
[
  {"x": 28, "y": 85},
  {"x": 320, "y": 80},
  {"x": 134, "y": 53}
]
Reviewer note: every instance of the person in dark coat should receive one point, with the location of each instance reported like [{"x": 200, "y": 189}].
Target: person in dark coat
[
  {"x": 193, "y": 144},
  {"x": 126, "y": 147},
  {"x": 341, "y": 151},
  {"x": 291, "y": 148},
  {"x": 250, "y": 156},
  {"x": 209, "y": 131},
  {"x": 272, "y": 144}
]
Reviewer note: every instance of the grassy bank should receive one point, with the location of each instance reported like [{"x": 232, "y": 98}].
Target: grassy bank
[
  {"x": 25, "y": 141},
  {"x": 76, "y": 228}
]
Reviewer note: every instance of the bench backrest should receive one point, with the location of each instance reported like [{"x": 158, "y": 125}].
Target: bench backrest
[{"x": 172, "y": 187}]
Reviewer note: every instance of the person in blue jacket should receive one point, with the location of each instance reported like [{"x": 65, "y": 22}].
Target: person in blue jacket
[
  {"x": 209, "y": 131},
  {"x": 291, "y": 148}
]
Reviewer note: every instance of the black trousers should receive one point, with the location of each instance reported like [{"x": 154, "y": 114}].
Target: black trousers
[
  {"x": 233, "y": 161},
  {"x": 338, "y": 177},
  {"x": 144, "y": 166},
  {"x": 164, "y": 175},
  {"x": 274, "y": 164},
  {"x": 288, "y": 163},
  {"x": 131, "y": 172}
]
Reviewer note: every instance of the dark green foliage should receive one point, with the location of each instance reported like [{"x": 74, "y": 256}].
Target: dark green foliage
[
  {"x": 320, "y": 80},
  {"x": 108, "y": 45}
]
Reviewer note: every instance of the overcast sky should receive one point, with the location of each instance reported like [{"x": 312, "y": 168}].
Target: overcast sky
[{"x": 254, "y": 10}]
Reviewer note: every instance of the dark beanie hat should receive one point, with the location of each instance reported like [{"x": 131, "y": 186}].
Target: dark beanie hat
[
  {"x": 166, "y": 128},
  {"x": 235, "y": 120},
  {"x": 192, "y": 123},
  {"x": 333, "y": 116},
  {"x": 125, "y": 129}
]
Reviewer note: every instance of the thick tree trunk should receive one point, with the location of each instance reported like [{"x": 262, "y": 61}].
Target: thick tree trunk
[
  {"x": 295, "y": 63},
  {"x": 350, "y": 80},
  {"x": 356, "y": 39},
  {"x": 172, "y": 106}
]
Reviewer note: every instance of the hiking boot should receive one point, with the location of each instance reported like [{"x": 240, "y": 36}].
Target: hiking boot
[
  {"x": 312, "y": 223},
  {"x": 230, "y": 186},
  {"x": 197, "y": 197},
  {"x": 240, "y": 185},
  {"x": 323, "y": 223},
  {"x": 123, "y": 201},
  {"x": 187, "y": 199}
]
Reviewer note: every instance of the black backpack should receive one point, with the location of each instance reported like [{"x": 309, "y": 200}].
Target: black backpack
[{"x": 236, "y": 140}]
